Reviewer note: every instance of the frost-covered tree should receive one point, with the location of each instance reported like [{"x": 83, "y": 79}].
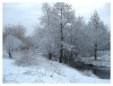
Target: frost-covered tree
[
  {"x": 16, "y": 30},
  {"x": 79, "y": 38},
  {"x": 95, "y": 23},
  {"x": 64, "y": 15},
  {"x": 46, "y": 20},
  {"x": 43, "y": 39},
  {"x": 10, "y": 43},
  {"x": 54, "y": 22},
  {"x": 98, "y": 33},
  {"x": 13, "y": 38}
]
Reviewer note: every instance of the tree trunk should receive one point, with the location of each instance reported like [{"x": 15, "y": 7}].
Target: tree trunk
[
  {"x": 61, "y": 46},
  {"x": 61, "y": 54},
  {"x": 50, "y": 56},
  {"x": 9, "y": 53},
  {"x": 95, "y": 52},
  {"x": 61, "y": 39}
]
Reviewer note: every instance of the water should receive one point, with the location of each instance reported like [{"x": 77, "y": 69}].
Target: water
[
  {"x": 101, "y": 72},
  {"x": 104, "y": 74}
]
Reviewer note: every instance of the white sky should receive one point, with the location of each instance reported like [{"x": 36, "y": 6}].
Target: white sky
[{"x": 28, "y": 13}]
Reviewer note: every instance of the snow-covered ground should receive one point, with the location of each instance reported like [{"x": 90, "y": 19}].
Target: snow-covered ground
[{"x": 45, "y": 71}]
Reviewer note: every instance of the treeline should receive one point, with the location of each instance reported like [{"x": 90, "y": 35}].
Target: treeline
[{"x": 61, "y": 35}]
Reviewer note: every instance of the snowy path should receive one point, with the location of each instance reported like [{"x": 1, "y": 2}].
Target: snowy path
[{"x": 45, "y": 72}]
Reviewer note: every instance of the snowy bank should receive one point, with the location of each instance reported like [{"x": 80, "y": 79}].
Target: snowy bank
[{"x": 44, "y": 72}]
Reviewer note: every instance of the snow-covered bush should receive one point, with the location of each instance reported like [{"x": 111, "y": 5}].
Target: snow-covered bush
[{"x": 25, "y": 57}]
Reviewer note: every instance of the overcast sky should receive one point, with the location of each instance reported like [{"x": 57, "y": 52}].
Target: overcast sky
[{"x": 28, "y": 13}]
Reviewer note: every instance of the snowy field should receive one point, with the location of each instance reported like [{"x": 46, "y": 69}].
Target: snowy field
[{"x": 45, "y": 71}]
